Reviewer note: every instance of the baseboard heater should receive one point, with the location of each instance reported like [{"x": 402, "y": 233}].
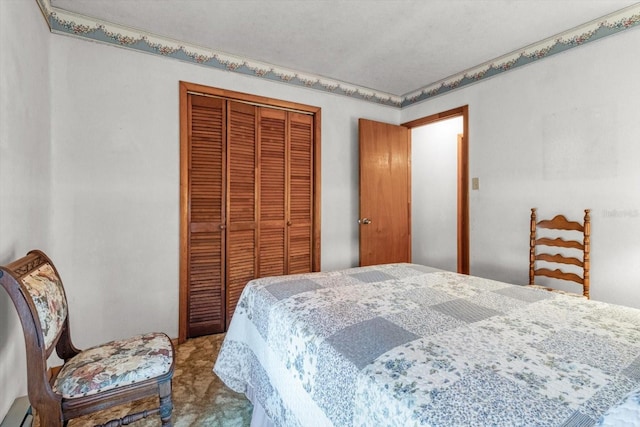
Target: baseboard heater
[{"x": 19, "y": 415}]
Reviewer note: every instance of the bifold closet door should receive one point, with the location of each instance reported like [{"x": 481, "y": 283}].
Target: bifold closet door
[
  {"x": 206, "y": 216},
  {"x": 300, "y": 192},
  {"x": 286, "y": 192},
  {"x": 272, "y": 139},
  {"x": 248, "y": 206},
  {"x": 241, "y": 214}
]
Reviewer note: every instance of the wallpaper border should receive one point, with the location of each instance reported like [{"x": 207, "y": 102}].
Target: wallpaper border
[
  {"x": 67, "y": 23},
  {"x": 578, "y": 36}
]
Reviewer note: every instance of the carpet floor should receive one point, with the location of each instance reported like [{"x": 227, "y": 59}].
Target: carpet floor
[{"x": 199, "y": 397}]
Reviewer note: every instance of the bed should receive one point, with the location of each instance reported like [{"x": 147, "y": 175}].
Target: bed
[{"x": 409, "y": 345}]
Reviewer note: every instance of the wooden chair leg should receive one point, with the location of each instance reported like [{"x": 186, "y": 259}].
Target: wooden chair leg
[
  {"x": 166, "y": 404},
  {"x": 53, "y": 418}
]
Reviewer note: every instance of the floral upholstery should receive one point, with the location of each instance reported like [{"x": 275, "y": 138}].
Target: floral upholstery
[
  {"x": 115, "y": 364},
  {"x": 47, "y": 295}
]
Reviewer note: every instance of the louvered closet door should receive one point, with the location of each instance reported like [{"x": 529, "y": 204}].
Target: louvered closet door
[
  {"x": 286, "y": 192},
  {"x": 241, "y": 225},
  {"x": 300, "y": 193},
  {"x": 248, "y": 193},
  {"x": 272, "y": 181},
  {"x": 205, "y": 270}
]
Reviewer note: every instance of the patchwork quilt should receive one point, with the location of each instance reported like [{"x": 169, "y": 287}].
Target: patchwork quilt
[{"x": 408, "y": 345}]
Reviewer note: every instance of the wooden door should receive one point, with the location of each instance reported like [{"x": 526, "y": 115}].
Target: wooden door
[
  {"x": 205, "y": 237},
  {"x": 272, "y": 192},
  {"x": 300, "y": 194},
  {"x": 286, "y": 192},
  {"x": 385, "y": 193},
  {"x": 241, "y": 249}
]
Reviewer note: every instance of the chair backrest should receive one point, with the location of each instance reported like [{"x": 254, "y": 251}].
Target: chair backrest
[
  {"x": 579, "y": 243},
  {"x": 34, "y": 286}
]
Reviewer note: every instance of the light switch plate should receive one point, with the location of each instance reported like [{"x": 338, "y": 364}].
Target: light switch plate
[{"x": 475, "y": 183}]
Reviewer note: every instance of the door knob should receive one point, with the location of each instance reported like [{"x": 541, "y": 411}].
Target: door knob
[{"x": 364, "y": 221}]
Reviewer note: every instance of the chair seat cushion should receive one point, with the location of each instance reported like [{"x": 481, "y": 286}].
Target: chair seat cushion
[{"x": 115, "y": 364}]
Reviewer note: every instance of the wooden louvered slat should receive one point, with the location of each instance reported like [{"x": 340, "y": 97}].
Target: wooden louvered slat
[
  {"x": 301, "y": 183},
  {"x": 299, "y": 250},
  {"x": 242, "y": 162},
  {"x": 205, "y": 270},
  {"x": 272, "y": 165},
  {"x": 240, "y": 266},
  {"x": 272, "y": 254}
]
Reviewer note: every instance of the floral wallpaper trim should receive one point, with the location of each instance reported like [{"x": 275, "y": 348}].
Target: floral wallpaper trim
[
  {"x": 64, "y": 22},
  {"x": 594, "y": 30}
]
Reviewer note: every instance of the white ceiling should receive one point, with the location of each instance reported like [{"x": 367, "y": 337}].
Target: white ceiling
[{"x": 391, "y": 46}]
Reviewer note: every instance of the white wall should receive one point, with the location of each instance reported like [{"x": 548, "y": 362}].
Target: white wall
[
  {"x": 560, "y": 134},
  {"x": 434, "y": 194},
  {"x": 115, "y": 125},
  {"x": 24, "y": 167}
]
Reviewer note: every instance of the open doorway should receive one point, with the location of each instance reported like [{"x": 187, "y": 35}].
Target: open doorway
[
  {"x": 434, "y": 198},
  {"x": 440, "y": 234}
]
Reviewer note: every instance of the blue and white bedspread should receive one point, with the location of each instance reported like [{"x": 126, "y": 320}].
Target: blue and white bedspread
[{"x": 407, "y": 345}]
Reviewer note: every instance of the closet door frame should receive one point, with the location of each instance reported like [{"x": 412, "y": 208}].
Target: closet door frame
[{"x": 186, "y": 88}]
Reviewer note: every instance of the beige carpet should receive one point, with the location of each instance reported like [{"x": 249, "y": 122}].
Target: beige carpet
[{"x": 199, "y": 397}]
